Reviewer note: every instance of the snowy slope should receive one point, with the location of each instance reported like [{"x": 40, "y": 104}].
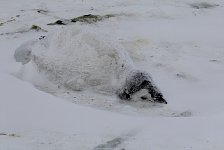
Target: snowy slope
[{"x": 180, "y": 45}]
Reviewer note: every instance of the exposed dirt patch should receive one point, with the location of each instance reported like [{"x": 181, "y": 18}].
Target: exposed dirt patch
[
  {"x": 203, "y": 5},
  {"x": 89, "y": 19},
  {"x": 32, "y": 28}
]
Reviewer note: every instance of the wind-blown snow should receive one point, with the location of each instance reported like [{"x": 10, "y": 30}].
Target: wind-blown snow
[{"x": 179, "y": 45}]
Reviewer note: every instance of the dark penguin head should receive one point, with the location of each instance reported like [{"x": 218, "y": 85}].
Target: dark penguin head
[{"x": 138, "y": 82}]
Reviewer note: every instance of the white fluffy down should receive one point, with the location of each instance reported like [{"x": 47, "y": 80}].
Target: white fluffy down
[{"x": 79, "y": 59}]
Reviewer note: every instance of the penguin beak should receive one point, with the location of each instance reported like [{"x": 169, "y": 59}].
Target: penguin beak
[
  {"x": 165, "y": 102},
  {"x": 155, "y": 100},
  {"x": 160, "y": 100}
]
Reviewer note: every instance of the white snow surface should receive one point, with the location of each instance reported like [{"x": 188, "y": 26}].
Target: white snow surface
[{"x": 180, "y": 46}]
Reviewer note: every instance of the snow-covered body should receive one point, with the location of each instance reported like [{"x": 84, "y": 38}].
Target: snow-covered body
[{"x": 79, "y": 59}]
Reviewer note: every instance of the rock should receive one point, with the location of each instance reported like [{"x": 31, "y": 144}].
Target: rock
[{"x": 58, "y": 22}]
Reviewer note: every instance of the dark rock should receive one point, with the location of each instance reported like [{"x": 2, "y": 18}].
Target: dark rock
[
  {"x": 37, "y": 28},
  {"x": 42, "y": 37},
  {"x": 88, "y": 18},
  {"x": 58, "y": 22},
  {"x": 42, "y": 11}
]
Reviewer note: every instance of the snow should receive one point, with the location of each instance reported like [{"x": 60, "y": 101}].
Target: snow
[{"x": 180, "y": 46}]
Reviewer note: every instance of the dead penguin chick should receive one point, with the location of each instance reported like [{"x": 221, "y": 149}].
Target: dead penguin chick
[{"x": 79, "y": 59}]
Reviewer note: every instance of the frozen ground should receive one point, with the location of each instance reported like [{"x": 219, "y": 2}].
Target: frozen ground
[{"x": 179, "y": 42}]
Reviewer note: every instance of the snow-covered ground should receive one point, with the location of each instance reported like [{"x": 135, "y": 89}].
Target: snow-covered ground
[{"x": 180, "y": 43}]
